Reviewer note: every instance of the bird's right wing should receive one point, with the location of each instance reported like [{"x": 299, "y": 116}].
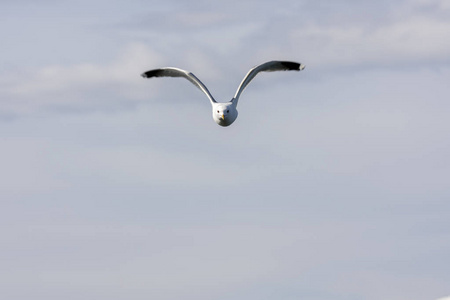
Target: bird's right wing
[
  {"x": 269, "y": 66},
  {"x": 175, "y": 72}
]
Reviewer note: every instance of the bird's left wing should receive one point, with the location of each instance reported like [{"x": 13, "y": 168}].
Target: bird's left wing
[
  {"x": 270, "y": 66},
  {"x": 175, "y": 72}
]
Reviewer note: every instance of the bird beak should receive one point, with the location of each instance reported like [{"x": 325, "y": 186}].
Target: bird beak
[{"x": 223, "y": 117}]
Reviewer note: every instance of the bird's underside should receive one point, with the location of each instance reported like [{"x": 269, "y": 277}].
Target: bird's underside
[{"x": 225, "y": 114}]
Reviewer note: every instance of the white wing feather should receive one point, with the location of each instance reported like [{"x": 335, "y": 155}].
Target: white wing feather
[
  {"x": 175, "y": 72},
  {"x": 266, "y": 67}
]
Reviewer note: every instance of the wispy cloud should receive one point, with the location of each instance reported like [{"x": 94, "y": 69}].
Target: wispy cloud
[
  {"x": 416, "y": 41},
  {"x": 214, "y": 45},
  {"x": 84, "y": 85},
  {"x": 329, "y": 181}
]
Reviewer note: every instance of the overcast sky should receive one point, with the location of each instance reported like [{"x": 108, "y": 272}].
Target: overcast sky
[{"x": 333, "y": 183}]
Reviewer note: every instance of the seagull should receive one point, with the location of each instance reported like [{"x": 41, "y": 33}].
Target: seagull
[{"x": 225, "y": 113}]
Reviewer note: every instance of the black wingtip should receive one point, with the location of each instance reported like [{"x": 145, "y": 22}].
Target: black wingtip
[
  {"x": 292, "y": 65},
  {"x": 151, "y": 73}
]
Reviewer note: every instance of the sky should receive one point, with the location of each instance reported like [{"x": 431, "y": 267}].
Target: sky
[{"x": 333, "y": 183}]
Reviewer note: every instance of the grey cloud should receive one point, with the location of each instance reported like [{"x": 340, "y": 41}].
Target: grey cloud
[{"x": 332, "y": 184}]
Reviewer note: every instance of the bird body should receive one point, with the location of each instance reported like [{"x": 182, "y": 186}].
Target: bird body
[{"x": 225, "y": 113}]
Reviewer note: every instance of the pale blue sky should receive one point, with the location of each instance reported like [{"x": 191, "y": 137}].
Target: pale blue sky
[{"x": 333, "y": 183}]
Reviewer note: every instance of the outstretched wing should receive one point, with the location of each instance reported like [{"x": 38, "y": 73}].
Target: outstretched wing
[
  {"x": 267, "y": 67},
  {"x": 175, "y": 72}
]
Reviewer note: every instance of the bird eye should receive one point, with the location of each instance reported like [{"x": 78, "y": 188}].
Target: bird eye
[
  {"x": 217, "y": 111},
  {"x": 228, "y": 111}
]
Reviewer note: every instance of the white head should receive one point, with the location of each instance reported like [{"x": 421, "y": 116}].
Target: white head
[{"x": 224, "y": 114}]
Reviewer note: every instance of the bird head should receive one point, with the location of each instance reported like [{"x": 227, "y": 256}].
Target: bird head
[{"x": 224, "y": 113}]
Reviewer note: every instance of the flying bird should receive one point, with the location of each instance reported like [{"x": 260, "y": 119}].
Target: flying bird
[{"x": 225, "y": 113}]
